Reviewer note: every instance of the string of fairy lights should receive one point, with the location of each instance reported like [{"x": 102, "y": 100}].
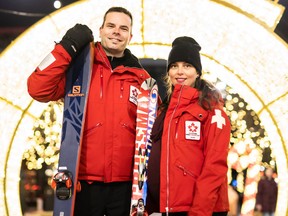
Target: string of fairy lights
[{"x": 45, "y": 142}]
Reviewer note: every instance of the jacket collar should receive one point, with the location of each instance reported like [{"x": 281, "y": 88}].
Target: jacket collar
[
  {"x": 183, "y": 99},
  {"x": 128, "y": 60},
  {"x": 185, "y": 94}
]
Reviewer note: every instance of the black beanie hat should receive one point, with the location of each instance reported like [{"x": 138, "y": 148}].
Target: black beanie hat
[{"x": 185, "y": 49}]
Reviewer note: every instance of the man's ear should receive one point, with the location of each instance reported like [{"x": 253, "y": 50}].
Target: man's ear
[
  {"x": 100, "y": 30},
  {"x": 131, "y": 35}
]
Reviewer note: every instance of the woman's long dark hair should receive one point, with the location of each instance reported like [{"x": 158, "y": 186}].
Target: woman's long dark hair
[{"x": 210, "y": 97}]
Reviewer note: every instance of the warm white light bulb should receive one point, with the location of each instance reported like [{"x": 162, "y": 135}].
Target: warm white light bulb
[{"x": 57, "y": 4}]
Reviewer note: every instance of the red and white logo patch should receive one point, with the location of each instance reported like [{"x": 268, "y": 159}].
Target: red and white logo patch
[
  {"x": 133, "y": 94},
  {"x": 218, "y": 119},
  {"x": 192, "y": 130}
]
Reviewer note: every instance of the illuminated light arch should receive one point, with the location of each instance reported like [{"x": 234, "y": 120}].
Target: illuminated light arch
[
  {"x": 244, "y": 155},
  {"x": 238, "y": 46}
]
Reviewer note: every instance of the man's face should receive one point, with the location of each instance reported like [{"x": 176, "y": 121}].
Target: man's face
[
  {"x": 116, "y": 33},
  {"x": 269, "y": 172}
]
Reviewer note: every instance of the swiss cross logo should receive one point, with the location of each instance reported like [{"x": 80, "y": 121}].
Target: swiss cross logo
[
  {"x": 192, "y": 130},
  {"x": 218, "y": 119}
]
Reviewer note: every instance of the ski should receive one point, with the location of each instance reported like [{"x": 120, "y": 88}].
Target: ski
[
  {"x": 146, "y": 113},
  {"x": 77, "y": 86}
]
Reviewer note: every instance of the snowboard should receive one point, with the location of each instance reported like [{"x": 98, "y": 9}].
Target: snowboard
[
  {"x": 65, "y": 182},
  {"x": 147, "y": 99}
]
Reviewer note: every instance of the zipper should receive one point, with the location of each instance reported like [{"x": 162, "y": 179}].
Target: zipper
[
  {"x": 185, "y": 171},
  {"x": 99, "y": 124},
  {"x": 168, "y": 151},
  {"x": 101, "y": 71},
  {"x": 176, "y": 129},
  {"x": 101, "y": 82},
  {"x": 104, "y": 59},
  {"x": 121, "y": 88},
  {"x": 124, "y": 125}
]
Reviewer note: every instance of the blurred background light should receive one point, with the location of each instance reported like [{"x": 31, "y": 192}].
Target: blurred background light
[{"x": 236, "y": 56}]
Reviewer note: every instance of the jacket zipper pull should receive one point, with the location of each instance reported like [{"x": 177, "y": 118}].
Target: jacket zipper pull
[
  {"x": 183, "y": 169},
  {"x": 121, "y": 88}
]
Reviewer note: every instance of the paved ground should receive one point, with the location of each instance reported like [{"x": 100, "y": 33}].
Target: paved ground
[{"x": 39, "y": 213}]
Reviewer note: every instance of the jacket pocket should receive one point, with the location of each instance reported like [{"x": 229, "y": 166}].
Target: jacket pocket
[
  {"x": 197, "y": 112},
  {"x": 92, "y": 129},
  {"x": 126, "y": 102},
  {"x": 189, "y": 130},
  {"x": 182, "y": 185},
  {"x": 185, "y": 171},
  {"x": 126, "y": 87},
  {"x": 128, "y": 127}
]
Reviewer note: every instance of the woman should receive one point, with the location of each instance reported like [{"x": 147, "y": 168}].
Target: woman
[{"x": 187, "y": 172}]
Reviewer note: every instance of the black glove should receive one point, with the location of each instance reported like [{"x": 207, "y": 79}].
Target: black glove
[{"x": 76, "y": 38}]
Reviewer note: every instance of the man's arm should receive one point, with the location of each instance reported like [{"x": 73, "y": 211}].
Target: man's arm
[{"x": 47, "y": 82}]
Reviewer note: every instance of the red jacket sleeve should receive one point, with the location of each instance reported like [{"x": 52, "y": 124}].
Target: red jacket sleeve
[
  {"x": 47, "y": 82},
  {"x": 214, "y": 170}
]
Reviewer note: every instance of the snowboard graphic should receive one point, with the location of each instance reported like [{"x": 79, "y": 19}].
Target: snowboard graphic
[
  {"x": 146, "y": 113},
  {"x": 76, "y": 93}
]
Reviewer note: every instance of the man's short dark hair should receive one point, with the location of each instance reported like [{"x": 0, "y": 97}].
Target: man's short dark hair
[{"x": 120, "y": 10}]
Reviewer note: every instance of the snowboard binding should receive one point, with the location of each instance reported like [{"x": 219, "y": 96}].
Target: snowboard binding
[
  {"x": 62, "y": 183},
  {"x": 139, "y": 209}
]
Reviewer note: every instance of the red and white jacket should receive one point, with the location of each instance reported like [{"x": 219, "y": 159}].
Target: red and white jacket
[
  {"x": 193, "y": 165},
  {"x": 109, "y": 135}
]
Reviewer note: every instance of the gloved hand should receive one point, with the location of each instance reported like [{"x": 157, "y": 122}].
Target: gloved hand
[{"x": 76, "y": 38}]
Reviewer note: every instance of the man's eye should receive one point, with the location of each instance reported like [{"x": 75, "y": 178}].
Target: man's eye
[{"x": 125, "y": 29}]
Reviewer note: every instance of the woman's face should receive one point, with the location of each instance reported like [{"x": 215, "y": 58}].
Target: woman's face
[{"x": 182, "y": 73}]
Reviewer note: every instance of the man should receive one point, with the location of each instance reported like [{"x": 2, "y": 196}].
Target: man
[
  {"x": 107, "y": 151},
  {"x": 266, "y": 197}
]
